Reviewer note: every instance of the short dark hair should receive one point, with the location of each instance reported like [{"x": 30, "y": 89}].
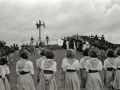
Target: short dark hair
[
  {"x": 43, "y": 52},
  {"x": 110, "y": 53},
  {"x": 117, "y": 51},
  {"x": 24, "y": 55},
  {"x": 85, "y": 52},
  {"x": 3, "y": 61},
  {"x": 92, "y": 53},
  {"x": 49, "y": 54}
]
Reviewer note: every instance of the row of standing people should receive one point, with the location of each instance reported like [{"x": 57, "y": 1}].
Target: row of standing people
[
  {"x": 71, "y": 78},
  {"x": 110, "y": 76},
  {"x": 85, "y": 74}
]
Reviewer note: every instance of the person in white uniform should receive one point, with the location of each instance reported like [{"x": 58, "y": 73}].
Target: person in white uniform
[
  {"x": 71, "y": 75},
  {"x": 38, "y": 64},
  {"x": 48, "y": 70},
  {"x": 93, "y": 67},
  {"x": 7, "y": 72},
  {"x": 2, "y": 77},
  {"x": 25, "y": 71},
  {"x": 82, "y": 67},
  {"x": 108, "y": 66},
  {"x": 116, "y": 72}
]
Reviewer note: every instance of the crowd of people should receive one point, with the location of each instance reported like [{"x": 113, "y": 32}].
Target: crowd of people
[
  {"x": 77, "y": 42},
  {"x": 73, "y": 42},
  {"x": 76, "y": 74},
  {"x": 86, "y": 73}
]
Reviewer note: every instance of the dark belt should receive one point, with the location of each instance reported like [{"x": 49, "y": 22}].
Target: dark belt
[
  {"x": 70, "y": 70},
  {"x": 48, "y": 72},
  {"x": 93, "y": 71},
  {"x": 39, "y": 69},
  {"x": 118, "y": 68},
  {"x": 1, "y": 76},
  {"x": 84, "y": 69},
  {"x": 109, "y": 69},
  {"x": 23, "y": 72}
]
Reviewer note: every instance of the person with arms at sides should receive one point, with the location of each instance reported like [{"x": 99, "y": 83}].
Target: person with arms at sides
[
  {"x": 108, "y": 66},
  {"x": 47, "y": 39},
  {"x": 48, "y": 70},
  {"x": 93, "y": 68},
  {"x": 2, "y": 77},
  {"x": 7, "y": 72},
  {"x": 38, "y": 64},
  {"x": 71, "y": 73},
  {"x": 83, "y": 73},
  {"x": 116, "y": 70},
  {"x": 25, "y": 72}
]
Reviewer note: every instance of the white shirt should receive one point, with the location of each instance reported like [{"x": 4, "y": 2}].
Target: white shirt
[
  {"x": 65, "y": 65},
  {"x": 28, "y": 67},
  {"x": 108, "y": 64},
  {"x": 89, "y": 66},
  {"x": 39, "y": 61},
  {"x": 83, "y": 61},
  {"x": 117, "y": 63},
  {"x": 2, "y": 71},
  {"x": 31, "y": 64},
  {"x": 52, "y": 68},
  {"x": 7, "y": 71}
]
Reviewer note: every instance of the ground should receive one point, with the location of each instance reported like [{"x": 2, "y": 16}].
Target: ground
[{"x": 59, "y": 55}]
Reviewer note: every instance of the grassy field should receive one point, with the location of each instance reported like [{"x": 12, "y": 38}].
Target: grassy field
[{"x": 59, "y": 55}]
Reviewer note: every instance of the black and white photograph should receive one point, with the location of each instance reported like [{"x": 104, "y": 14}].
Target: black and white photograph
[{"x": 59, "y": 45}]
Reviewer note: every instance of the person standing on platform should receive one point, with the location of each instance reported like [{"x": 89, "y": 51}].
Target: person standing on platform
[
  {"x": 25, "y": 71},
  {"x": 32, "y": 39},
  {"x": 70, "y": 76},
  {"x": 47, "y": 39},
  {"x": 93, "y": 68}
]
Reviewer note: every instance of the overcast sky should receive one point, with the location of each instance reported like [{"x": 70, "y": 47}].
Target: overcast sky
[{"x": 62, "y": 18}]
